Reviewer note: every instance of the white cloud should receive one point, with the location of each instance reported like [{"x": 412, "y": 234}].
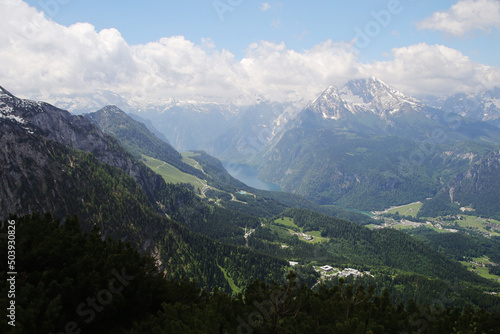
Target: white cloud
[
  {"x": 465, "y": 16},
  {"x": 265, "y": 6},
  {"x": 284, "y": 74},
  {"x": 40, "y": 58},
  {"x": 37, "y": 53},
  {"x": 424, "y": 69}
]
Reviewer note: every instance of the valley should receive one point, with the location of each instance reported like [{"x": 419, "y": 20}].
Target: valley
[{"x": 222, "y": 227}]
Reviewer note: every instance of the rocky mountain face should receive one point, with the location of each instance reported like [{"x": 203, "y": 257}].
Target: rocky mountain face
[
  {"x": 45, "y": 176},
  {"x": 27, "y": 162},
  {"x": 52, "y": 161},
  {"x": 77, "y": 132},
  {"x": 330, "y": 105}
]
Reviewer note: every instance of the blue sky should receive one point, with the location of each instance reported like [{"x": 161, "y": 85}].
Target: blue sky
[
  {"x": 455, "y": 42},
  {"x": 235, "y": 24}
]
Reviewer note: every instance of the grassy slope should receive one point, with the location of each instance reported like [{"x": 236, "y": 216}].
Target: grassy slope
[{"x": 171, "y": 174}]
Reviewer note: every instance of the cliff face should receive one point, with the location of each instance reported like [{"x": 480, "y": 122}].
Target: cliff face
[
  {"x": 28, "y": 169},
  {"x": 38, "y": 122}
]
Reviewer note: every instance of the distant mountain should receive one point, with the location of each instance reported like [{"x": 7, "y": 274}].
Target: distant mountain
[
  {"x": 237, "y": 131},
  {"x": 483, "y": 106},
  {"x": 85, "y": 103},
  {"x": 150, "y": 127},
  {"x": 231, "y": 131},
  {"x": 189, "y": 125},
  {"x": 251, "y": 129},
  {"x": 370, "y": 106},
  {"x": 370, "y": 146},
  {"x": 364, "y": 96}
]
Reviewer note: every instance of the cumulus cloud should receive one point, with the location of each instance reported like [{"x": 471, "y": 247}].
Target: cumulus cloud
[
  {"x": 40, "y": 58},
  {"x": 287, "y": 74},
  {"x": 44, "y": 58},
  {"x": 465, "y": 16},
  {"x": 424, "y": 69},
  {"x": 37, "y": 53}
]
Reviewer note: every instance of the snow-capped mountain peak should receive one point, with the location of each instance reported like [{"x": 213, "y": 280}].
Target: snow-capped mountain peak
[
  {"x": 12, "y": 109},
  {"x": 375, "y": 96},
  {"x": 370, "y": 95},
  {"x": 329, "y": 104}
]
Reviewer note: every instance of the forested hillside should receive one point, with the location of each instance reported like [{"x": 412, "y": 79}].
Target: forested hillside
[{"x": 127, "y": 293}]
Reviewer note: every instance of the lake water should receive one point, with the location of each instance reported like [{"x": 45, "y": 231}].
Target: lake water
[{"x": 248, "y": 175}]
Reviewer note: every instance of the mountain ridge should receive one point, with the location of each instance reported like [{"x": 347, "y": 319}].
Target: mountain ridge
[{"x": 137, "y": 138}]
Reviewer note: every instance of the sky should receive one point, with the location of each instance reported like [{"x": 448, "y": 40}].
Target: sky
[{"x": 240, "y": 50}]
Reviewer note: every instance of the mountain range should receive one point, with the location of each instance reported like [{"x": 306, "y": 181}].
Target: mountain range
[
  {"x": 237, "y": 131},
  {"x": 368, "y": 146},
  {"x": 354, "y": 125},
  {"x": 364, "y": 146},
  {"x": 483, "y": 105}
]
